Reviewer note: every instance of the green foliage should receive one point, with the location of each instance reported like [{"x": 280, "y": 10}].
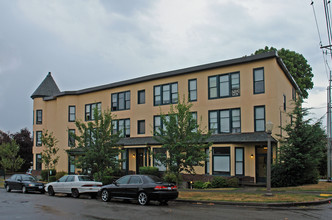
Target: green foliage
[
  {"x": 60, "y": 174},
  {"x": 98, "y": 143},
  {"x": 219, "y": 182},
  {"x": 207, "y": 185},
  {"x": 301, "y": 151},
  {"x": 183, "y": 139},
  {"x": 107, "y": 180},
  {"x": 198, "y": 185},
  {"x": 9, "y": 158},
  {"x": 298, "y": 67},
  {"x": 149, "y": 171},
  {"x": 232, "y": 182},
  {"x": 52, "y": 178},
  {"x": 171, "y": 178},
  {"x": 46, "y": 173},
  {"x": 48, "y": 155}
]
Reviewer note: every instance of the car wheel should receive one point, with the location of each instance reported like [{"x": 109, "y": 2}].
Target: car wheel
[
  {"x": 105, "y": 195},
  {"x": 50, "y": 191},
  {"x": 143, "y": 198},
  {"x": 75, "y": 193},
  {"x": 8, "y": 189},
  {"x": 24, "y": 189}
]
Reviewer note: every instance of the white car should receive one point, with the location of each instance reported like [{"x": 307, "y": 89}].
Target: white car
[{"x": 74, "y": 185}]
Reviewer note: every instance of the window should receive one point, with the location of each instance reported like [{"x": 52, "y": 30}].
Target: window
[
  {"x": 166, "y": 94},
  {"x": 158, "y": 124},
  {"x": 38, "y": 162},
  {"x": 239, "y": 161},
  {"x": 221, "y": 161},
  {"x": 120, "y": 101},
  {"x": 38, "y": 138},
  {"x": 123, "y": 180},
  {"x": 225, "y": 85},
  {"x": 134, "y": 180},
  {"x": 71, "y": 113},
  {"x": 71, "y": 138},
  {"x": 207, "y": 161},
  {"x": 141, "y": 97},
  {"x": 89, "y": 109},
  {"x": 259, "y": 118},
  {"x": 293, "y": 94},
  {"x": 284, "y": 99},
  {"x": 39, "y": 118},
  {"x": 161, "y": 153},
  {"x": 192, "y": 87},
  {"x": 194, "y": 117},
  {"x": 259, "y": 86},
  {"x": 71, "y": 164},
  {"x": 123, "y": 126},
  {"x": 141, "y": 127},
  {"x": 225, "y": 121},
  {"x": 124, "y": 160}
]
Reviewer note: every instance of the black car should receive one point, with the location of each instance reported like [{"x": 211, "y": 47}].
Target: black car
[
  {"x": 23, "y": 182},
  {"x": 142, "y": 188}
]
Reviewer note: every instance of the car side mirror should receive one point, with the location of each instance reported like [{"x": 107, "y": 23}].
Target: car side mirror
[{"x": 115, "y": 183}]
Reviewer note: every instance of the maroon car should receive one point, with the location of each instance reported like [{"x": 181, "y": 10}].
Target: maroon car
[{"x": 142, "y": 188}]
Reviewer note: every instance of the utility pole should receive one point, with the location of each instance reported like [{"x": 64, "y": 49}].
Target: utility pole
[{"x": 329, "y": 151}]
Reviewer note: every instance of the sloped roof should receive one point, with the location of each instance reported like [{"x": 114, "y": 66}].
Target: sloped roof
[{"x": 47, "y": 88}]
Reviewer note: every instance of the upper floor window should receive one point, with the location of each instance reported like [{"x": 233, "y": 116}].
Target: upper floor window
[
  {"x": 141, "y": 97},
  {"x": 71, "y": 138},
  {"x": 259, "y": 86},
  {"x": 71, "y": 113},
  {"x": 38, "y": 161},
  {"x": 284, "y": 99},
  {"x": 141, "y": 127},
  {"x": 121, "y": 101},
  {"x": 38, "y": 138},
  {"x": 259, "y": 118},
  {"x": 225, "y": 85},
  {"x": 166, "y": 94},
  {"x": 225, "y": 121},
  {"x": 123, "y": 126},
  {"x": 293, "y": 94},
  {"x": 39, "y": 117},
  {"x": 89, "y": 110},
  {"x": 192, "y": 87}
]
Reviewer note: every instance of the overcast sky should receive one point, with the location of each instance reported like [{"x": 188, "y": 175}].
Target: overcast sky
[{"x": 86, "y": 43}]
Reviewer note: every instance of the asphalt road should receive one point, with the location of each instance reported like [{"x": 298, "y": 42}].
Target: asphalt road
[{"x": 15, "y": 205}]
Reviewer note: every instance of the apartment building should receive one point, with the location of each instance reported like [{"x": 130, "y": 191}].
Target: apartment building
[{"x": 232, "y": 98}]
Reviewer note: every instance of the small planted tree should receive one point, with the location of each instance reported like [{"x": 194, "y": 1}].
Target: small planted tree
[
  {"x": 49, "y": 157},
  {"x": 9, "y": 158},
  {"x": 182, "y": 138},
  {"x": 98, "y": 143}
]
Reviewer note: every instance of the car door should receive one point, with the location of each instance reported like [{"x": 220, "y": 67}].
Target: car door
[
  {"x": 119, "y": 188},
  {"x": 12, "y": 182},
  {"x": 69, "y": 184},
  {"x": 18, "y": 182},
  {"x": 133, "y": 186},
  {"x": 58, "y": 185}
]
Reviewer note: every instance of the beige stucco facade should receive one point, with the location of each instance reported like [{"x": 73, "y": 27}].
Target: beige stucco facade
[{"x": 279, "y": 88}]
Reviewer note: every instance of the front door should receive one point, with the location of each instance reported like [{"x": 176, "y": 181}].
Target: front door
[
  {"x": 139, "y": 159},
  {"x": 261, "y": 156}
]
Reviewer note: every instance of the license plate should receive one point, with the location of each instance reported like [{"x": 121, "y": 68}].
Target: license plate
[
  {"x": 40, "y": 187},
  {"x": 169, "y": 188}
]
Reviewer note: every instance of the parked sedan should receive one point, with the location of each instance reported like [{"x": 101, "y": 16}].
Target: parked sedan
[
  {"x": 23, "y": 182},
  {"x": 142, "y": 188},
  {"x": 74, "y": 185}
]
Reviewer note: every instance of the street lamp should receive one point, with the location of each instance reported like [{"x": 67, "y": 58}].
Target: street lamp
[{"x": 269, "y": 127}]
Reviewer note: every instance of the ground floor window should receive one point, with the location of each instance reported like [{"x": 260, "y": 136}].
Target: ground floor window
[
  {"x": 239, "y": 161},
  {"x": 71, "y": 164},
  {"x": 207, "y": 161},
  {"x": 38, "y": 161},
  {"x": 124, "y": 159},
  {"x": 221, "y": 161},
  {"x": 159, "y": 152}
]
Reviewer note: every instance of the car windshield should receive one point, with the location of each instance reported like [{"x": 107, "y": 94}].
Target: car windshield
[
  {"x": 85, "y": 178},
  {"x": 28, "y": 178}
]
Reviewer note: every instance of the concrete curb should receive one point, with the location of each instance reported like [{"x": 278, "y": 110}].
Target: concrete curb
[{"x": 283, "y": 204}]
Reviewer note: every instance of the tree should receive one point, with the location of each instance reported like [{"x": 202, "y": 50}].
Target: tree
[
  {"x": 99, "y": 144},
  {"x": 298, "y": 67},
  {"x": 4, "y": 137},
  {"x": 48, "y": 155},
  {"x": 301, "y": 151},
  {"x": 9, "y": 158},
  {"x": 182, "y": 138},
  {"x": 24, "y": 140}
]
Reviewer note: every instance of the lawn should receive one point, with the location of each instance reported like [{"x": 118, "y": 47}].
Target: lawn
[
  {"x": 321, "y": 186},
  {"x": 1, "y": 182}
]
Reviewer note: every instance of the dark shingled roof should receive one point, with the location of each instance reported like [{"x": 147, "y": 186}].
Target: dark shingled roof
[
  {"x": 47, "y": 88},
  {"x": 237, "y": 61},
  {"x": 255, "y": 137}
]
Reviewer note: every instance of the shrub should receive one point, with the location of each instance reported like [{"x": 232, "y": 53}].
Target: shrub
[
  {"x": 219, "y": 182},
  {"x": 107, "y": 180},
  {"x": 60, "y": 174},
  {"x": 44, "y": 174},
  {"x": 233, "y": 182},
  {"x": 170, "y": 177},
  {"x": 149, "y": 171},
  {"x": 198, "y": 185},
  {"x": 52, "y": 178},
  {"x": 207, "y": 185}
]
